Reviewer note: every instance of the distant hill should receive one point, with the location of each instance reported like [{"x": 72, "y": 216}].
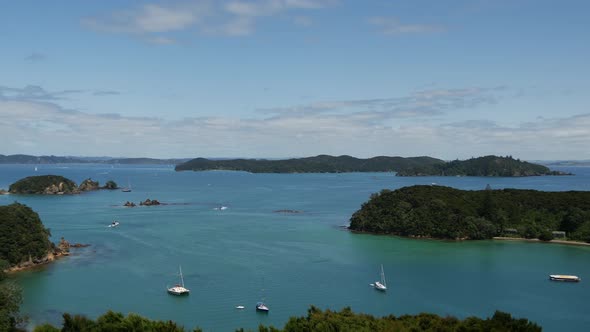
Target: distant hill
[
  {"x": 317, "y": 164},
  {"x": 482, "y": 166},
  {"x": 28, "y": 159}
]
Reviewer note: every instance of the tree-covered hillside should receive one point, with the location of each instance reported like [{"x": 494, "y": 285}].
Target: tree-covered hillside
[
  {"x": 22, "y": 235},
  {"x": 317, "y": 320},
  {"x": 447, "y": 213},
  {"x": 482, "y": 166},
  {"x": 43, "y": 184},
  {"x": 317, "y": 164}
]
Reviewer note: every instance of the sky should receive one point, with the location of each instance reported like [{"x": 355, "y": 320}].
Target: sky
[{"x": 450, "y": 79}]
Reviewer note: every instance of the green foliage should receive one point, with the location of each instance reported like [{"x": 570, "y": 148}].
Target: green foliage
[
  {"x": 482, "y": 166},
  {"x": 448, "y": 213},
  {"x": 545, "y": 235},
  {"x": 317, "y": 164},
  {"x": 113, "y": 322},
  {"x": 10, "y": 300},
  {"x": 38, "y": 184},
  {"x": 110, "y": 185},
  {"x": 316, "y": 320},
  {"x": 22, "y": 235}
]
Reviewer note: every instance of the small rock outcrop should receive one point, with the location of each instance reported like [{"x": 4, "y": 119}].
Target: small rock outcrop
[
  {"x": 88, "y": 185},
  {"x": 149, "y": 202},
  {"x": 129, "y": 204}
]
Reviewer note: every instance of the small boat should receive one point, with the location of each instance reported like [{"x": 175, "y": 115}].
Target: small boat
[
  {"x": 127, "y": 189},
  {"x": 114, "y": 224},
  {"x": 220, "y": 208},
  {"x": 240, "y": 307},
  {"x": 260, "y": 306},
  {"x": 381, "y": 285},
  {"x": 179, "y": 289},
  {"x": 563, "y": 277}
]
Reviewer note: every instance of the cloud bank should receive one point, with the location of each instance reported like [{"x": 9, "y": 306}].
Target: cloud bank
[{"x": 37, "y": 124}]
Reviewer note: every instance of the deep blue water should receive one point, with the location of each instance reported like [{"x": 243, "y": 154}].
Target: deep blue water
[{"x": 247, "y": 252}]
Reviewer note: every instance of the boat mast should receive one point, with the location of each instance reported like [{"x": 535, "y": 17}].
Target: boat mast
[
  {"x": 383, "y": 276},
  {"x": 181, "y": 279}
]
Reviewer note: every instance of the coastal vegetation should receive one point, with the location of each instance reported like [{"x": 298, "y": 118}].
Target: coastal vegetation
[
  {"x": 448, "y": 213},
  {"x": 482, "y": 166},
  {"x": 55, "y": 184},
  {"x": 10, "y": 300},
  {"x": 44, "y": 184},
  {"x": 316, "y": 320},
  {"x": 22, "y": 235},
  {"x": 317, "y": 164}
]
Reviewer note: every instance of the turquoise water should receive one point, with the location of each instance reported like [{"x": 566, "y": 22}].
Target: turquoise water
[{"x": 247, "y": 252}]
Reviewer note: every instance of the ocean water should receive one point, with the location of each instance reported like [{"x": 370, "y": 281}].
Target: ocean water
[{"x": 249, "y": 252}]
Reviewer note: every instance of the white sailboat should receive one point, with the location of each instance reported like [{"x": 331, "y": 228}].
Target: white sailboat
[
  {"x": 179, "y": 289},
  {"x": 260, "y": 305},
  {"x": 381, "y": 285},
  {"x": 128, "y": 188}
]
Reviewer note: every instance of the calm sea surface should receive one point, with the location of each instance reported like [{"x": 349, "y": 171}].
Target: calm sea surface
[{"x": 247, "y": 252}]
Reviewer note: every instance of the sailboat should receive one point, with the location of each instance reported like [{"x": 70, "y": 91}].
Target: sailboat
[
  {"x": 128, "y": 188},
  {"x": 381, "y": 285},
  {"x": 260, "y": 306},
  {"x": 179, "y": 289}
]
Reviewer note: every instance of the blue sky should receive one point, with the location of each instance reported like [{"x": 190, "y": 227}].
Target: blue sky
[{"x": 290, "y": 78}]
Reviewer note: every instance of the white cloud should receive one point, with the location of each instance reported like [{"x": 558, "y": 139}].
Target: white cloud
[
  {"x": 362, "y": 128},
  {"x": 156, "y": 23},
  {"x": 392, "y": 26}
]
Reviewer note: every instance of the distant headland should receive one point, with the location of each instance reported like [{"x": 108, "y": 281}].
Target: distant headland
[
  {"x": 29, "y": 159},
  {"x": 317, "y": 164},
  {"x": 447, "y": 213},
  {"x": 411, "y": 166}
]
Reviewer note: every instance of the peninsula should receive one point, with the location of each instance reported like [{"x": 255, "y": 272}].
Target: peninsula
[
  {"x": 448, "y": 213},
  {"x": 317, "y": 164},
  {"x": 482, "y": 166},
  {"x": 24, "y": 240}
]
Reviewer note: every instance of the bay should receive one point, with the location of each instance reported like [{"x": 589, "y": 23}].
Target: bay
[{"x": 248, "y": 251}]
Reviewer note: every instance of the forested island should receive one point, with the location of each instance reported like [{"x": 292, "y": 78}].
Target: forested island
[
  {"x": 482, "y": 166},
  {"x": 55, "y": 185},
  {"x": 317, "y": 164},
  {"x": 316, "y": 320},
  {"x": 448, "y": 213}
]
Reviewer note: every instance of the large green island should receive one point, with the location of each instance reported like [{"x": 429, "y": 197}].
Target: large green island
[
  {"x": 448, "y": 213},
  {"x": 412, "y": 166},
  {"x": 317, "y": 164},
  {"x": 482, "y": 166}
]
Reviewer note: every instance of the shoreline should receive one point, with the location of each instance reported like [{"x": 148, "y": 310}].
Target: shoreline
[
  {"x": 49, "y": 258},
  {"x": 572, "y": 243},
  {"x": 497, "y": 238}
]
